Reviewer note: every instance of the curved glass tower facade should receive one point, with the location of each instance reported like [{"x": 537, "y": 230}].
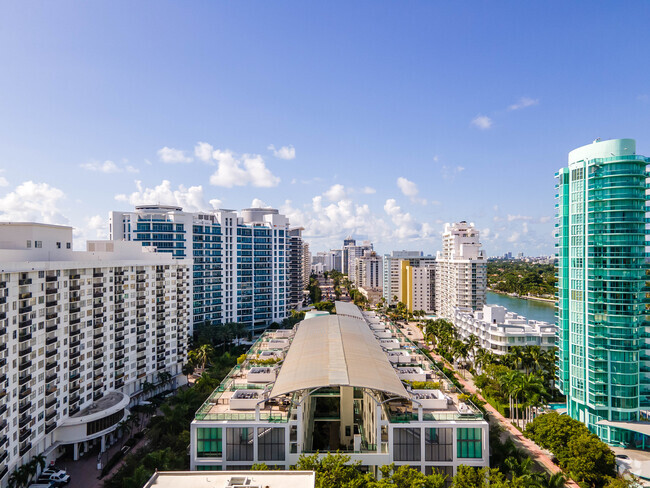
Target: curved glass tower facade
[{"x": 603, "y": 358}]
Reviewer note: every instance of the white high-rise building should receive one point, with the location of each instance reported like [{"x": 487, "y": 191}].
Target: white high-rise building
[
  {"x": 240, "y": 262},
  {"x": 461, "y": 271},
  {"x": 80, "y": 334},
  {"x": 368, "y": 271},
  {"x": 354, "y": 252}
]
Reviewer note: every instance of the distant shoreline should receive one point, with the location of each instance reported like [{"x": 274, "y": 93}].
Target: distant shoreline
[{"x": 523, "y": 297}]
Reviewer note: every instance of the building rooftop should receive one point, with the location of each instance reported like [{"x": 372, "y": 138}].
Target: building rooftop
[
  {"x": 232, "y": 479},
  {"x": 332, "y": 351}
]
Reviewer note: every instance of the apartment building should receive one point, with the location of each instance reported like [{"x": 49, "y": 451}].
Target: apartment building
[
  {"x": 418, "y": 286},
  {"x": 392, "y": 272},
  {"x": 342, "y": 385},
  {"x": 604, "y": 356},
  {"x": 350, "y": 253},
  {"x": 80, "y": 334},
  {"x": 239, "y": 261},
  {"x": 295, "y": 267},
  {"x": 461, "y": 271},
  {"x": 368, "y": 271},
  {"x": 498, "y": 330}
]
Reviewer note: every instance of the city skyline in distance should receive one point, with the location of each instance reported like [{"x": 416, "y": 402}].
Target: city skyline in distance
[{"x": 367, "y": 119}]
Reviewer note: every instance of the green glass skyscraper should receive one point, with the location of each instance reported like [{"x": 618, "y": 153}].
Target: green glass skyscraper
[{"x": 603, "y": 358}]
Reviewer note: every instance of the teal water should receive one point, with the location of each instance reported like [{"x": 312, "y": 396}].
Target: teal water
[{"x": 531, "y": 309}]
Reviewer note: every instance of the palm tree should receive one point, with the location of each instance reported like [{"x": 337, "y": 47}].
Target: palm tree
[
  {"x": 533, "y": 391},
  {"x": 39, "y": 461},
  {"x": 203, "y": 355},
  {"x": 472, "y": 345},
  {"x": 20, "y": 477},
  {"x": 483, "y": 358},
  {"x": 557, "y": 480},
  {"x": 516, "y": 354},
  {"x": 509, "y": 381},
  {"x": 124, "y": 427}
]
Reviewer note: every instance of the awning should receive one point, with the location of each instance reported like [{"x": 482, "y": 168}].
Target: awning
[{"x": 337, "y": 350}]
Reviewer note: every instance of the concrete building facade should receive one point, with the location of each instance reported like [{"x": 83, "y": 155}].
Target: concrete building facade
[
  {"x": 80, "y": 334},
  {"x": 498, "y": 330},
  {"x": 239, "y": 260},
  {"x": 461, "y": 271}
]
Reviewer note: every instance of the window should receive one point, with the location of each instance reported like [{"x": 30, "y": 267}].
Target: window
[
  {"x": 67, "y": 245},
  {"x": 438, "y": 444},
  {"x": 270, "y": 444},
  {"x": 209, "y": 442},
  {"x": 38, "y": 244},
  {"x": 469, "y": 443},
  {"x": 29, "y": 244},
  {"x": 406, "y": 444},
  {"x": 58, "y": 245},
  {"x": 239, "y": 444}
]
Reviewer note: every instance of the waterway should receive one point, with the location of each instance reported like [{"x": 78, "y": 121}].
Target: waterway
[{"x": 531, "y": 309}]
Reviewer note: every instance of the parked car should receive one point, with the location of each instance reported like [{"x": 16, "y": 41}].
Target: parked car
[{"x": 60, "y": 477}]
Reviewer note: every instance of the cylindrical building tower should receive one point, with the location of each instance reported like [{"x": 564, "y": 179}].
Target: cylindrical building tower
[{"x": 601, "y": 306}]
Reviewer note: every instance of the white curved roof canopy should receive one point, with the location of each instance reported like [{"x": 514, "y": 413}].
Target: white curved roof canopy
[{"x": 337, "y": 350}]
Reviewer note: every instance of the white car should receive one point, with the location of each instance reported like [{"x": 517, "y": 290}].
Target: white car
[{"x": 58, "y": 476}]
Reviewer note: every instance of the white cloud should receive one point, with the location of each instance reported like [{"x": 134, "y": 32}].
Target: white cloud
[
  {"x": 482, "y": 122},
  {"x": 523, "y": 103},
  {"x": 410, "y": 189},
  {"x": 407, "y": 187},
  {"x": 335, "y": 193},
  {"x": 514, "y": 237},
  {"x": 544, "y": 219},
  {"x": 449, "y": 173},
  {"x": 257, "y": 203},
  {"x": 247, "y": 169},
  {"x": 204, "y": 151},
  {"x": 368, "y": 190},
  {"x": 3, "y": 180},
  {"x": 108, "y": 167},
  {"x": 285, "y": 152},
  {"x": 405, "y": 225},
  {"x": 191, "y": 199},
  {"x": 33, "y": 202},
  {"x": 98, "y": 225},
  {"x": 513, "y": 218},
  {"x": 172, "y": 156},
  {"x": 643, "y": 98}
]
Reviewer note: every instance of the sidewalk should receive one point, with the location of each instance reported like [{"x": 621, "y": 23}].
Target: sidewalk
[{"x": 536, "y": 453}]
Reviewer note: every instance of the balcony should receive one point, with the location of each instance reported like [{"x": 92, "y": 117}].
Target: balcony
[
  {"x": 27, "y": 281},
  {"x": 24, "y": 448},
  {"x": 75, "y": 287},
  {"x": 98, "y": 335},
  {"x": 75, "y": 343},
  {"x": 50, "y": 340},
  {"x": 50, "y": 390},
  {"x": 23, "y": 365},
  {"x": 51, "y": 328},
  {"x": 74, "y": 332},
  {"x": 22, "y": 380},
  {"x": 75, "y": 309},
  {"x": 51, "y": 303},
  {"x": 24, "y": 435},
  {"x": 50, "y": 353},
  {"x": 50, "y": 403},
  {"x": 73, "y": 389},
  {"x": 50, "y": 427},
  {"x": 51, "y": 377},
  {"x": 25, "y": 309},
  {"x": 50, "y": 279},
  {"x": 50, "y": 365},
  {"x": 73, "y": 410},
  {"x": 75, "y": 354},
  {"x": 24, "y": 337},
  {"x": 25, "y": 392},
  {"x": 24, "y": 351},
  {"x": 24, "y": 420},
  {"x": 51, "y": 291}
]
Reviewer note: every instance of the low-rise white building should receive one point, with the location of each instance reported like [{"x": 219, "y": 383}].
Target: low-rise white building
[
  {"x": 342, "y": 387},
  {"x": 232, "y": 479},
  {"x": 80, "y": 334},
  {"x": 498, "y": 330}
]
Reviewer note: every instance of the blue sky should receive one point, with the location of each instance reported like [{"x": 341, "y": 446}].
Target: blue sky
[{"x": 378, "y": 119}]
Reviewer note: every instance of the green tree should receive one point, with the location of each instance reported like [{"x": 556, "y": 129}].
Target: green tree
[{"x": 590, "y": 460}]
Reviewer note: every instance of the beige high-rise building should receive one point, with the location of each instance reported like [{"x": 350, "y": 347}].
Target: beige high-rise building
[{"x": 461, "y": 271}]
